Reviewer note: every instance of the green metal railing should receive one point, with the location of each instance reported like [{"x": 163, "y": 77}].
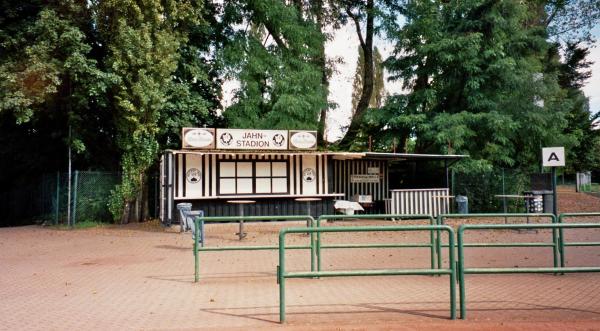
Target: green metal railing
[
  {"x": 431, "y": 244},
  {"x": 563, "y": 217},
  {"x": 282, "y": 274},
  {"x": 555, "y": 237},
  {"x": 198, "y": 249},
  {"x": 461, "y": 257}
]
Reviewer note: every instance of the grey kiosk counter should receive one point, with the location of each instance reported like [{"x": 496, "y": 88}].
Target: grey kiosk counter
[{"x": 215, "y": 167}]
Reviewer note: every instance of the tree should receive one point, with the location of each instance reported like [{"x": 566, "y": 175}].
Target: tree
[
  {"x": 378, "y": 83},
  {"x": 143, "y": 39},
  {"x": 474, "y": 70},
  {"x": 569, "y": 20},
  {"x": 573, "y": 72},
  {"x": 361, "y": 141},
  {"x": 50, "y": 81},
  {"x": 274, "y": 59},
  {"x": 357, "y": 11},
  {"x": 194, "y": 92}
]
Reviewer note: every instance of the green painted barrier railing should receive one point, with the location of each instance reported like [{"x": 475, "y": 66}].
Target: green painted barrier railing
[
  {"x": 561, "y": 219},
  {"x": 431, "y": 244},
  {"x": 282, "y": 275},
  {"x": 461, "y": 257},
  {"x": 555, "y": 237},
  {"x": 200, "y": 219}
]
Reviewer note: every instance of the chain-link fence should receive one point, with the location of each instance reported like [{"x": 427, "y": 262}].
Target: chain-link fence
[
  {"x": 485, "y": 189},
  {"x": 46, "y": 199}
]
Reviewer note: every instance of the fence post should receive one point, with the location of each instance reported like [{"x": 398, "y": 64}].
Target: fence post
[
  {"x": 57, "y": 211},
  {"x": 461, "y": 273},
  {"x": 75, "y": 185},
  {"x": 280, "y": 276}
]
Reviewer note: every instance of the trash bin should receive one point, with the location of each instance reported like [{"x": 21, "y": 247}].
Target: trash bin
[
  {"x": 462, "y": 204},
  {"x": 547, "y": 200},
  {"x": 184, "y": 208},
  {"x": 534, "y": 202}
]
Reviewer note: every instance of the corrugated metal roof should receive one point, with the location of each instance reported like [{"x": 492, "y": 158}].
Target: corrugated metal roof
[
  {"x": 407, "y": 156},
  {"x": 335, "y": 155}
]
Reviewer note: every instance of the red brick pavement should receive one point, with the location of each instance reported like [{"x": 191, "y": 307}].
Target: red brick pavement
[{"x": 141, "y": 278}]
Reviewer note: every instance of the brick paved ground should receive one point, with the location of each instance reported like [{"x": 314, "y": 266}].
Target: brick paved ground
[{"x": 141, "y": 278}]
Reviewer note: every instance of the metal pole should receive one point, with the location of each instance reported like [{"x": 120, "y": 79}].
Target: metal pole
[
  {"x": 452, "y": 262},
  {"x": 555, "y": 239},
  {"x": 281, "y": 278},
  {"x": 554, "y": 202},
  {"x": 196, "y": 259},
  {"x": 447, "y": 175},
  {"x": 461, "y": 274},
  {"x": 440, "y": 221},
  {"x": 241, "y": 234},
  {"x": 69, "y": 182},
  {"x": 57, "y": 197},
  {"x": 504, "y": 198},
  {"x": 432, "y": 244},
  {"x": 561, "y": 241},
  {"x": 75, "y": 198}
]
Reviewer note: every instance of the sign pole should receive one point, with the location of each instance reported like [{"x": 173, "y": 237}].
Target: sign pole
[
  {"x": 554, "y": 202},
  {"x": 553, "y": 157}
]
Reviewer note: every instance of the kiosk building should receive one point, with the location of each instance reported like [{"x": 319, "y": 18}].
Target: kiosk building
[{"x": 279, "y": 170}]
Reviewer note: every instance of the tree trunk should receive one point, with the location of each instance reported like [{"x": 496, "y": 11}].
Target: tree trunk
[
  {"x": 367, "y": 88},
  {"x": 126, "y": 212},
  {"x": 144, "y": 202},
  {"x": 322, "y": 62}
]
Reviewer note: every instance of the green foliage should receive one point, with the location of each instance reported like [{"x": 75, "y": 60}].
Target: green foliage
[
  {"x": 275, "y": 59},
  {"x": 474, "y": 70},
  {"x": 143, "y": 39},
  {"x": 481, "y": 184},
  {"x": 573, "y": 73}
]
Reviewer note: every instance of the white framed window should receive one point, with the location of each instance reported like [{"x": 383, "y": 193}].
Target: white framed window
[{"x": 253, "y": 177}]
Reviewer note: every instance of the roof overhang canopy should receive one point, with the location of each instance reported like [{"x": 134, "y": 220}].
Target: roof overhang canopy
[{"x": 338, "y": 155}]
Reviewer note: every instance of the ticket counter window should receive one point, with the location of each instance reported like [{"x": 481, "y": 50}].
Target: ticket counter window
[{"x": 253, "y": 177}]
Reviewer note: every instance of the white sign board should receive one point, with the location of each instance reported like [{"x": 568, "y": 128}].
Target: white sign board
[
  {"x": 252, "y": 139},
  {"x": 373, "y": 170},
  {"x": 553, "y": 156},
  {"x": 198, "y": 138},
  {"x": 364, "y": 179},
  {"x": 303, "y": 140}
]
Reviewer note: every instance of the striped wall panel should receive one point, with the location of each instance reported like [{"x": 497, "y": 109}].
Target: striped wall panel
[
  {"x": 167, "y": 190},
  {"x": 208, "y": 164},
  {"x": 343, "y": 171},
  {"x": 262, "y": 207},
  {"x": 419, "y": 201}
]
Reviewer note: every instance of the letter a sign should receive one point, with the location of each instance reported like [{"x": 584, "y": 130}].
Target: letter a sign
[{"x": 553, "y": 156}]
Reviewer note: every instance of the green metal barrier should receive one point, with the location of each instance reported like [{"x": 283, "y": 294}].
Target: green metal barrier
[
  {"x": 461, "y": 257},
  {"x": 561, "y": 218},
  {"x": 555, "y": 238},
  {"x": 282, "y": 274},
  {"x": 431, "y": 245},
  {"x": 197, "y": 247}
]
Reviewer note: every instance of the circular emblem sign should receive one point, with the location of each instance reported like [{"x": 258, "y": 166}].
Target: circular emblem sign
[
  {"x": 226, "y": 138},
  {"x": 198, "y": 138},
  {"x": 303, "y": 140},
  {"x": 308, "y": 175},
  {"x": 278, "y": 140},
  {"x": 193, "y": 175}
]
